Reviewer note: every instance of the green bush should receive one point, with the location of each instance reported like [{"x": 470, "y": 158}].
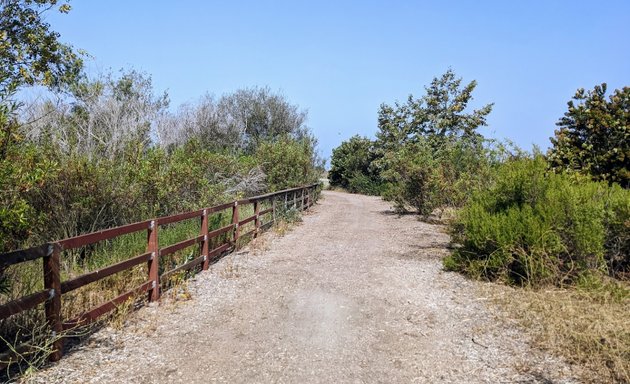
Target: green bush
[
  {"x": 288, "y": 162},
  {"x": 362, "y": 183},
  {"x": 531, "y": 226},
  {"x": 426, "y": 175},
  {"x": 410, "y": 179},
  {"x": 351, "y": 167},
  {"x": 592, "y": 138}
]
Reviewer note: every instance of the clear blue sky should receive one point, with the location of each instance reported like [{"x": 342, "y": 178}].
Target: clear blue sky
[{"x": 342, "y": 59}]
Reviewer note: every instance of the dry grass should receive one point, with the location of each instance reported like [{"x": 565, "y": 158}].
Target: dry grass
[
  {"x": 281, "y": 228},
  {"x": 231, "y": 269},
  {"x": 284, "y": 224},
  {"x": 119, "y": 316},
  {"x": 586, "y": 327},
  {"x": 179, "y": 289},
  {"x": 259, "y": 245}
]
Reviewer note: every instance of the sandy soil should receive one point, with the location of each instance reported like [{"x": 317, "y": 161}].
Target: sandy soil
[{"x": 353, "y": 294}]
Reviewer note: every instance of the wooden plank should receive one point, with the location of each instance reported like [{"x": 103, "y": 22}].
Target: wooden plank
[
  {"x": 248, "y": 220},
  {"x": 106, "y": 234},
  {"x": 235, "y": 221},
  {"x": 249, "y": 233},
  {"x": 217, "y": 251},
  {"x": 52, "y": 282},
  {"x": 265, "y": 211},
  {"x": 181, "y": 245},
  {"x": 96, "y": 312},
  {"x": 153, "y": 264},
  {"x": 204, "y": 244},
  {"x": 23, "y": 303},
  {"x": 282, "y": 192},
  {"x": 179, "y": 217},
  {"x": 91, "y": 277},
  {"x": 22, "y": 255},
  {"x": 257, "y": 217},
  {"x": 220, "y": 231},
  {"x": 186, "y": 266},
  {"x": 220, "y": 208},
  {"x": 246, "y": 201}
]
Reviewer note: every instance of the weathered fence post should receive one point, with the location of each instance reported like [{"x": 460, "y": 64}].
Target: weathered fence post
[
  {"x": 52, "y": 282},
  {"x": 204, "y": 244},
  {"x": 235, "y": 222},
  {"x": 154, "y": 262},
  {"x": 273, "y": 208},
  {"x": 257, "y": 219},
  {"x": 302, "y": 200}
]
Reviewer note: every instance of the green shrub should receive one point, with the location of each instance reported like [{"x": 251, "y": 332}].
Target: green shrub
[
  {"x": 531, "y": 226},
  {"x": 592, "y": 138},
  {"x": 362, "y": 183},
  {"x": 426, "y": 175},
  {"x": 288, "y": 162},
  {"x": 352, "y": 167},
  {"x": 411, "y": 179}
]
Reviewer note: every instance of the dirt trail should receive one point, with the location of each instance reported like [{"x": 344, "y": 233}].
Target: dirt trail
[{"x": 353, "y": 294}]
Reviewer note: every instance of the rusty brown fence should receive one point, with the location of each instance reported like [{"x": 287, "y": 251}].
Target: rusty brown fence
[{"x": 50, "y": 296}]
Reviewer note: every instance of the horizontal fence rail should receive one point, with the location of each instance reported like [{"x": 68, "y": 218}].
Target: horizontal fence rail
[{"x": 299, "y": 198}]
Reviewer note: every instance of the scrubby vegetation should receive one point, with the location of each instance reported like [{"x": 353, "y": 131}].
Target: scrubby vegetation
[
  {"x": 111, "y": 153},
  {"x": 594, "y": 136},
  {"x": 531, "y": 226},
  {"x": 427, "y": 153},
  {"x": 351, "y": 167}
]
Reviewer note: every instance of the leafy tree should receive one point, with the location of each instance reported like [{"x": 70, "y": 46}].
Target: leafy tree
[
  {"x": 429, "y": 148},
  {"x": 439, "y": 115},
  {"x": 594, "y": 135},
  {"x": 237, "y": 122},
  {"x": 351, "y": 166},
  {"x": 30, "y": 53},
  {"x": 260, "y": 115}
]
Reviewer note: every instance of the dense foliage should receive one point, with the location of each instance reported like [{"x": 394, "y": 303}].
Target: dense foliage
[
  {"x": 427, "y": 154},
  {"x": 553, "y": 220},
  {"x": 594, "y": 136},
  {"x": 532, "y": 226},
  {"x": 100, "y": 158},
  {"x": 288, "y": 162},
  {"x": 351, "y": 167},
  {"x": 31, "y": 53},
  {"x": 430, "y": 150}
]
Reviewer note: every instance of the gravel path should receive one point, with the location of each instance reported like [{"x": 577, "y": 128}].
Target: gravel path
[{"x": 353, "y": 294}]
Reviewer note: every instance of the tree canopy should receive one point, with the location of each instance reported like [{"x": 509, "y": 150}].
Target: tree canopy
[
  {"x": 594, "y": 135},
  {"x": 439, "y": 115},
  {"x": 30, "y": 52}
]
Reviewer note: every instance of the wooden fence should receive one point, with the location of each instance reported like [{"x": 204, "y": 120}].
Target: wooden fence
[{"x": 299, "y": 198}]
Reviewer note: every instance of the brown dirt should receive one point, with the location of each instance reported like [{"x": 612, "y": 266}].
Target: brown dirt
[{"x": 353, "y": 294}]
